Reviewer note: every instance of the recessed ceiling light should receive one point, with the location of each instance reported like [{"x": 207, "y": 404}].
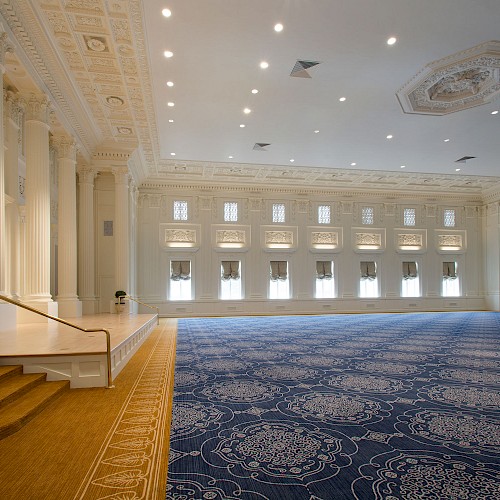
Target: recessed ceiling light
[
  {"x": 255, "y": 91},
  {"x": 166, "y": 12},
  {"x": 168, "y": 53},
  {"x": 170, "y": 121},
  {"x": 264, "y": 65},
  {"x": 353, "y": 164},
  {"x": 457, "y": 170},
  {"x": 342, "y": 99},
  {"x": 247, "y": 110},
  {"x": 171, "y": 104},
  {"x": 316, "y": 131},
  {"x": 389, "y": 136},
  {"x": 403, "y": 166},
  {"x": 242, "y": 125},
  {"x": 230, "y": 157},
  {"x": 172, "y": 154},
  {"x": 447, "y": 140},
  {"x": 278, "y": 27},
  {"x": 391, "y": 41},
  {"x": 495, "y": 112},
  {"x": 170, "y": 84},
  {"x": 291, "y": 160}
]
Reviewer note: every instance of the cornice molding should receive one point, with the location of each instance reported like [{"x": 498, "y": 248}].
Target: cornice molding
[{"x": 34, "y": 49}]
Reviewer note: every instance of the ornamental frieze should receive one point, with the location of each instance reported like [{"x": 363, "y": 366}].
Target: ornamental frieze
[
  {"x": 323, "y": 238},
  {"x": 368, "y": 239},
  {"x": 406, "y": 240},
  {"x": 282, "y": 237},
  {"x": 229, "y": 236},
  {"x": 450, "y": 240},
  {"x": 180, "y": 236}
]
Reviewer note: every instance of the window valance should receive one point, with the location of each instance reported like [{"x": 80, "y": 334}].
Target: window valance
[
  {"x": 409, "y": 270},
  {"x": 180, "y": 270},
  {"x": 279, "y": 270},
  {"x": 368, "y": 270},
  {"x": 230, "y": 270},
  {"x": 449, "y": 270},
  {"x": 324, "y": 269}
]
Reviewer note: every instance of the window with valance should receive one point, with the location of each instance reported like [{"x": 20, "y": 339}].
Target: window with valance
[
  {"x": 368, "y": 270},
  {"x": 279, "y": 270},
  {"x": 180, "y": 270},
  {"x": 449, "y": 270},
  {"x": 230, "y": 270},
  {"x": 409, "y": 270},
  {"x": 324, "y": 269}
]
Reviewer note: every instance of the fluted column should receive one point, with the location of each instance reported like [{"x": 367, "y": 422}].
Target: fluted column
[
  {"x": 86, "y": 249},
  {"x": 14, "y": 115},
  {"x": 4, "y": 47},
  {"x": 38, "y": 205},
  {"x": 67, "y": 267},
  {"x": 122, "y": 271}
]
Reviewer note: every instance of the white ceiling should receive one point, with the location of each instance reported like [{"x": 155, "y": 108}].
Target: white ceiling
[{"x": 218, "y": 45}]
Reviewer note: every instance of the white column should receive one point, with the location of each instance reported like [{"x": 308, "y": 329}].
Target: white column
[
  {"x": 14, "y": 115},
  {"x": 68, "y": 303},
  {"x": 4, "y": 47},
  {"x": 121, "y": 230},
  {"x": 37, "y": 293},
  {"x": 86, "y": 249}
]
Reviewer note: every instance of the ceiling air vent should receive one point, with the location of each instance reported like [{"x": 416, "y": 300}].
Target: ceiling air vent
[
  {"x": 464, "y": 159},
  {"x": 301, "y": 67},
  {"x": 261, "y": 146}
]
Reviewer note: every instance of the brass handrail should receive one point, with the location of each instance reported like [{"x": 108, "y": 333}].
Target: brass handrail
[
  {"x": 147, "y": 305},
  {"x": 87, "y": 330}
]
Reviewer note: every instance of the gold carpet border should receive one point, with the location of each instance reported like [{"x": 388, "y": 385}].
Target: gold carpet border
[{"x": 131, "y": 463}]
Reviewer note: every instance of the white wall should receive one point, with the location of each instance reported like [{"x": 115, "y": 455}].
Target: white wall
[{"x": 205, "y": 252}]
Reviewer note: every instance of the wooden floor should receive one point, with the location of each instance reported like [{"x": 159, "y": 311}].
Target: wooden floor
[{"x": 51, "y": 339}]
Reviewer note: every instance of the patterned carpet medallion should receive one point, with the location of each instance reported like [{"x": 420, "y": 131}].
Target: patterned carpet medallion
[{"x": 360, "y": 407}]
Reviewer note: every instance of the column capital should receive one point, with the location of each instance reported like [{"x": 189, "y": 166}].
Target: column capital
[
  {"x": 5, "y": 46},
  {"x": 37, "y": 108},
  {"x": 65, "y": 147},
  {"x": 121, "y": 174},
  {"x": 86, "y": 174},
  {"x": 14, "y": 107}
]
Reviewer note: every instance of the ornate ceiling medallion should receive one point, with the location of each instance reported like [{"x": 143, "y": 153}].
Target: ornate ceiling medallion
[{"x": 460, "y": 81}]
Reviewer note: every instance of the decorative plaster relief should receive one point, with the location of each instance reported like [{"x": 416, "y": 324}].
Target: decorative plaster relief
[
  {"x": 180, "y": 236},
  {"x": 409, "y": 240},
  {"x": 371, "y": 239},
  {"x": 460, "y": 81},
  {"x": 279, "y": 237},
  {"x": 229, "y": 236},
  {"x": 324, "y": 238},
  {"x": 450, "y": 240}
]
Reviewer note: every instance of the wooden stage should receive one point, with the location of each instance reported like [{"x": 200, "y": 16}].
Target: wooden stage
[{"x": 65, "y": 353}]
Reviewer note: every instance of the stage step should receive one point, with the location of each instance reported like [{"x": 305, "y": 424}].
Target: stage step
[{"x": 22, "y": 396}]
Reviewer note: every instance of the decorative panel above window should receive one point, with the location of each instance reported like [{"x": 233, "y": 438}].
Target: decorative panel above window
[
  {"x": 278, "y": 237},
  {"x": 235, "y": 237},
  {"x": 410, "y": 240},
  {"x": 180, "y": 236},
  {"x": 364, "y": 241},
  {"x": 321, "y": 239},
  {"x": 450, "y": 241}
]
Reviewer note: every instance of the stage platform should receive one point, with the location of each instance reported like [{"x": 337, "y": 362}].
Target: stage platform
[{"x": 65, "y": 353}]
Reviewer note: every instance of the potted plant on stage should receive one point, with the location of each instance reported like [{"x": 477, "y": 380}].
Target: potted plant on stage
[{"x": 120, "y": 302}]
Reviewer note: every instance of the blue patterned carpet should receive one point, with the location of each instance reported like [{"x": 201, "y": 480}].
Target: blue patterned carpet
[{"x": 379, "y": 406}]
